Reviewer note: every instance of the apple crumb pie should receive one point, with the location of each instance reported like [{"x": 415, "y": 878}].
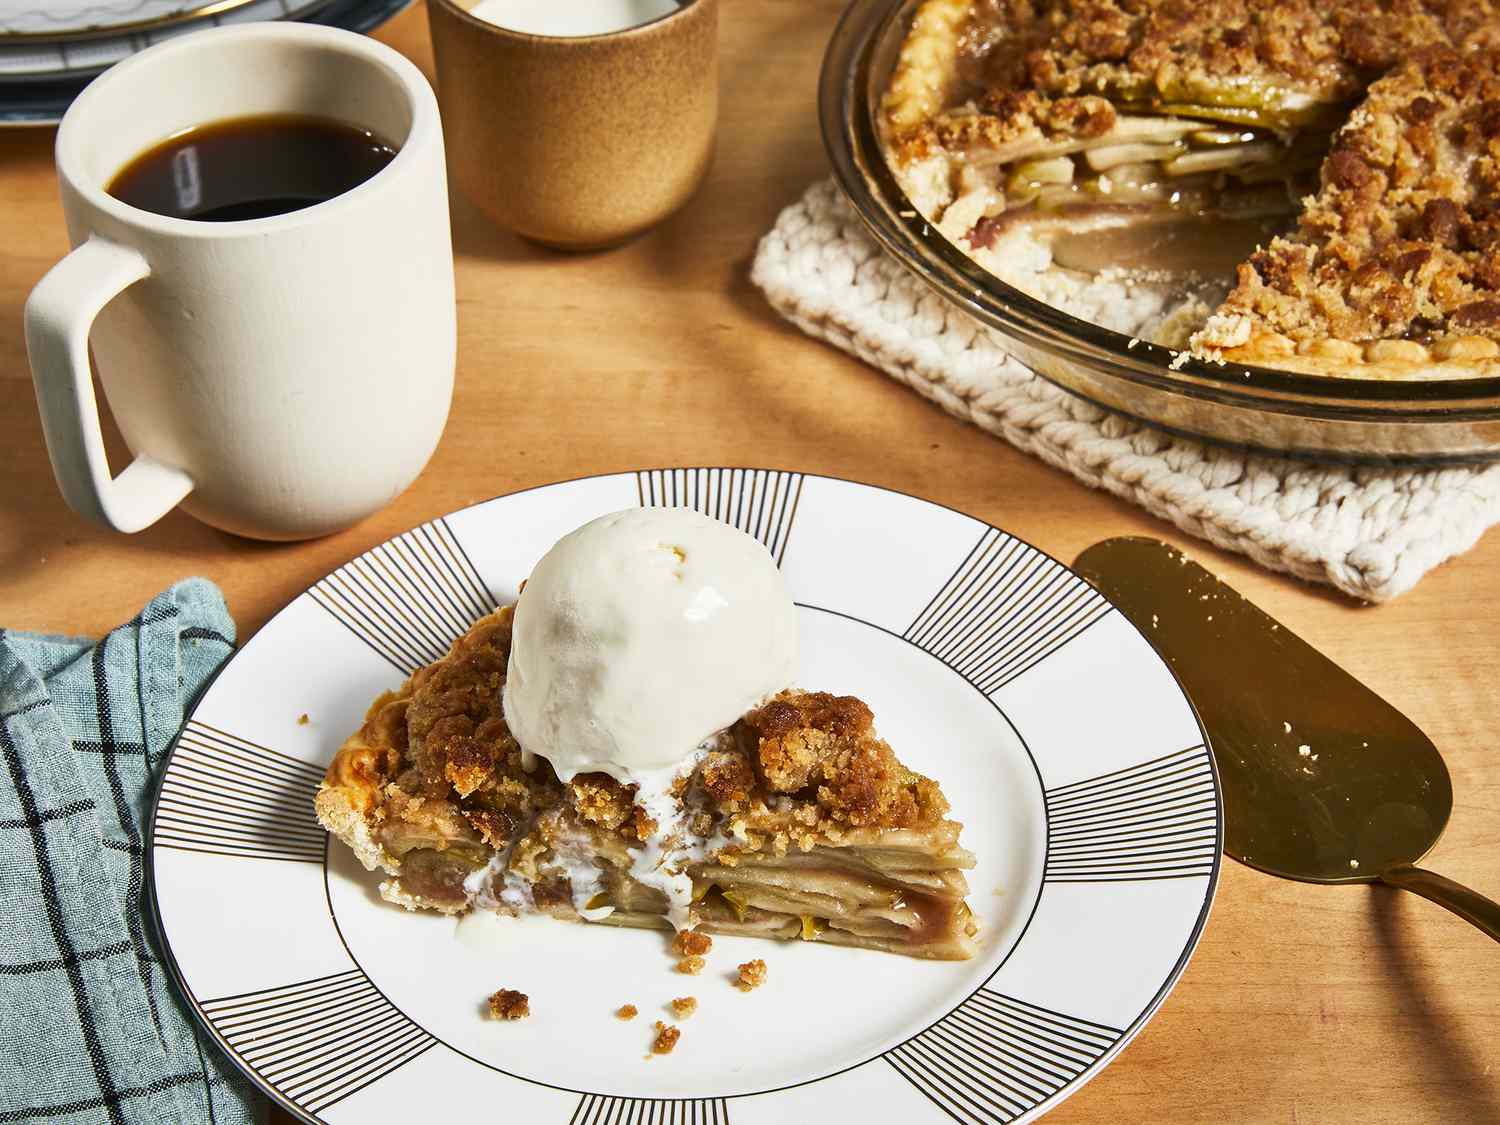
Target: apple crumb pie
[
  {"x": 796, "y": 823},
  {"x": 1339, "y": 160}
]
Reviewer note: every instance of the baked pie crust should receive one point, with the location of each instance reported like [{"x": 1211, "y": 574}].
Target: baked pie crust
[
  {"x": 797, "y": 823},
  {"x": 1355, "y": 144}
]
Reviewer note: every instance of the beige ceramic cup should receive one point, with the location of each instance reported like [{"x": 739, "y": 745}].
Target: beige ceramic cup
[{"x": 580, "y": 143}]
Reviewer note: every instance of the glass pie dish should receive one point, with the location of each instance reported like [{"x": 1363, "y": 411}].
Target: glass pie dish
[{"x": 1278, "y": 412}]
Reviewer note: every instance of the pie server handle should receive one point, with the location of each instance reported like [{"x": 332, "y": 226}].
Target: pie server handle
[{"x": 1471, "y": 906}]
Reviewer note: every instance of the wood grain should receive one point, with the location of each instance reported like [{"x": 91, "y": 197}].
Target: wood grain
[{"x": 1303, "y": 1004}]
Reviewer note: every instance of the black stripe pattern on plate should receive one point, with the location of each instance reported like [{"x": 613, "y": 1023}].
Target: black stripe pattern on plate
[
  {"x": 409, "y": 598},
  {"x": 993, "y": 1057},
  {"x": 1005, "y": 609},
  {"x": 760, "y": 502},
  {"x": 318, "y": 1041},
  {"x": 1156, "y": 820},
  {"x": 226, "y": 795},
  {"x": 598, "y": 1109}
]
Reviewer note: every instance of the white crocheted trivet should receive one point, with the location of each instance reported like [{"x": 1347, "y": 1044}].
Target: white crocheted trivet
[{"x": 1372, "y": 532}]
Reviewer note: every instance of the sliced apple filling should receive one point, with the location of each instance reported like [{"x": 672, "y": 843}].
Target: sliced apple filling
[{"x": 1142, "y": 169}]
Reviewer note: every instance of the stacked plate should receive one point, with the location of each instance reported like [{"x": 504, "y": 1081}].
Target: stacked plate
[{"x": 50, "y": 49}]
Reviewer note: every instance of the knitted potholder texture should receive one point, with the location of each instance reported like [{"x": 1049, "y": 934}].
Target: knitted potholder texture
[{"x": 1372, "y": 532}]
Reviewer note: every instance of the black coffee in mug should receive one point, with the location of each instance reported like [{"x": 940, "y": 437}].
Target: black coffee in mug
[{"x": 250, "y": 167}]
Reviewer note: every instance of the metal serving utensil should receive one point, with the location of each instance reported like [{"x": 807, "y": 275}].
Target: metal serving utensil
[{"x": 1323, "y": 780}]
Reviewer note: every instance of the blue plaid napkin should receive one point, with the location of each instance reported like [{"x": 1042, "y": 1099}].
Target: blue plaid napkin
[{"x": 90, "y": 1030}]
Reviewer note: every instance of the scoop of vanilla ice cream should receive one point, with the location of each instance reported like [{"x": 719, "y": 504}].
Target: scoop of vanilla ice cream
[{"x": 639, "y": 636}]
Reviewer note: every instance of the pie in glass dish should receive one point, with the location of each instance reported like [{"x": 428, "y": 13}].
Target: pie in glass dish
[
  {"x": 796, "y": 823},
  {"x": 1310, "y": 185}
]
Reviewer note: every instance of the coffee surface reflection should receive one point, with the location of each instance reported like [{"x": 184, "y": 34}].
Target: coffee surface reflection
[{"x": 250, "y": 168}]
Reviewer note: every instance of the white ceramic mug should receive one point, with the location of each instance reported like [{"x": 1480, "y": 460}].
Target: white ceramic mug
[{"x": 282, "y": 377}]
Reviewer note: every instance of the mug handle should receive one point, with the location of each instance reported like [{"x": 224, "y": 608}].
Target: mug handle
[{"x": 59, "y": 313}]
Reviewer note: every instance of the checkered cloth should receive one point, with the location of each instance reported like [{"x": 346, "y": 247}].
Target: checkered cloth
[{"x": 90, "y": 1030}]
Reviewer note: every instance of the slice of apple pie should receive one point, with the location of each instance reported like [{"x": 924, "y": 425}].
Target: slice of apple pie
[
  {"x": 1333, "y": 162},
  {"x": 796, "y": 823}
]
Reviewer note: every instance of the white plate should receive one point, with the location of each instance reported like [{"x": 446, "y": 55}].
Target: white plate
[
  {"x": 1063, "y": 741},
  {"x": 34, "y": 94},
  {"x": 32, "y": 59},
  {"x": 60, "y": 18}
]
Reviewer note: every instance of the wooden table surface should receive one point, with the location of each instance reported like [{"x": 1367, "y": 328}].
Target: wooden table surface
[{"x": 1302, "y": 1004}]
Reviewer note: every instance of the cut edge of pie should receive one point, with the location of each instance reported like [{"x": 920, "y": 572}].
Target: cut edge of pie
[
  {"x": 1015, "y": 128},
  {"x": 796, "y": 823}
]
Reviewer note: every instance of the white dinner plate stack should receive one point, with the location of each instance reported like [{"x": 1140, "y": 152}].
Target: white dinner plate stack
[{"x": 50, "y": 49}]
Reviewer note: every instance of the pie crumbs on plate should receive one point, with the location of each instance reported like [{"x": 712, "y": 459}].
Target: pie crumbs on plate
[
  {"x": 508, "y": 1004},
  {"x": 666, "y": 1039},
  {"x": 752, "y": 974},
  {"x": 691, "y": 943}
]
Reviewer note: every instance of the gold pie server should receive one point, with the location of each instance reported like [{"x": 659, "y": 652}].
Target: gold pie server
[{"x": 1323, "y": 780}]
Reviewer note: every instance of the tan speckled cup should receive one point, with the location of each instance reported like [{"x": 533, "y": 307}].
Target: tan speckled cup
[{"x": 579, "y": 143}]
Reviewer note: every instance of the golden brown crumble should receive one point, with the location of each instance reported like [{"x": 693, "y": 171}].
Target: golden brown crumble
[
  {"x": 666, "y": 1039},
  {"x": 1015, "y": 117},
  {"x": 821, "y": 750},
  {"x": 752, "y": 974},
  {"x": 1144, "y": 52},
  {"x": 684, "y": 1006},
  {"x": 690, "y": 943},
  {"x": 1403, "y": 239},
  {"x": 626, "y": 1012},
  {"x": 692, "y": 965},
  {"x": 303, "y": 720},
  {"x": 508, "y": 1004}
]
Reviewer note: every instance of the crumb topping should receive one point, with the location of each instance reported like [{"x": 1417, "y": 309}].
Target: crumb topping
[
  {"x": 1403, "y": 238},
  {"x": 691, "y": 966},
  {"x": 684, "y": 1006},
  {"x": 626, "y": 1012},
  {"x": 508, "y": 1004},
  {"x": 752, "y": 974},
  {"x": 666, "y": 1039},
  {"x": 1013, "y": 118},
  {"x": 820, "y": 750},
  {"x": 1223, "y": 52}
]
